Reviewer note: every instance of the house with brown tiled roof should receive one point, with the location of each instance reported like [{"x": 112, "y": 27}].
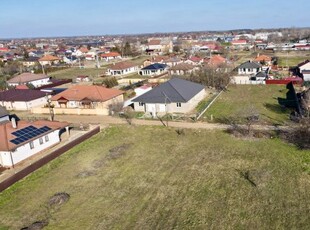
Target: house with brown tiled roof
[
  {"x": 194, "y": 60},
  {"x": 22, "y": 99},
  {"x": 122, "y": 68},
  {"x": 49, "y": 60},
  {"x": 159, "y": 46},
  {"x": 87, "y": 99},
  {"x": 36, "y": 80},
  {"x": 215, "y": 61},
  {"x": 182, "y": 69},
  {"x": 263, "y": 59},
  {"x": 23, "y": 139}
]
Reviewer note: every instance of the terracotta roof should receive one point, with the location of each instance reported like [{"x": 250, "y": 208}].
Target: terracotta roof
[
  {"x": 111, "y": 54},
  {"x": 160, "y": 58},
  {"x": 154, "y": 42},
  {"x": 182, "y": 66},
  {"x": 195, "y": 59},
  {"x": 92, "y": 92},
  {"x": 49, "y": 58},
  {"x": 27, "y": 77},
  {"x": 6, "y": 131},
  {"x": 21, "y": 87},
  {"x": 122, "y": 65},
  {"x": 263, "y": 58},
  {"x": 21, "y": 95},
  {"x": 216, "y": 60}
]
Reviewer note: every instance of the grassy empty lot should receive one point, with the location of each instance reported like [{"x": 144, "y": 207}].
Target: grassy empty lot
[
  {"x": 238, "y": 98},
  {"x": 72, "y": 73},
  {"x": 291, "y": 61},
  {"x": 151, "y": 178}
]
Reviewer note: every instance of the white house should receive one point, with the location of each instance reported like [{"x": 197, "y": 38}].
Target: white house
[
  {"x": 304, "y": 68},
  {"x": 249, "y": 68},
  {"x": 153, "y": 69},
  {"x": 36, "y": 80},
  {"x": 174, "y": 96},
  {"x": 22, "y": 99},
  {"x": 122, "y": 68},
  {"x": 23, "y": 139}
]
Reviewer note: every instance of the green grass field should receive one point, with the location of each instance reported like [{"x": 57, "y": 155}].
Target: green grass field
[
  {"x": 72, "y": 73},
  {"x": 291, "y": 61},
  {"x": 131, "y": 177},
  {"x": 263, "y": 98}
]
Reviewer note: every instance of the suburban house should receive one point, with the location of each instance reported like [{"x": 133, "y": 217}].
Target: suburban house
[
  {"x": 174, "y": 96},
  {"x": 172, "y": 61},
  {"x": 304, "y": 69},
  {"x": 31, "y": 61},
  {"x": 193, "y": 60},
  {"x": 215, "y": 61},
  {"x": 263, "y": 59},
  {"x": 153, "y": 69},
  {"x": 249, "y": 68},
  {"x": 240, "y": 43},
  {"x": 93, "y": 99},
  {"x": 22, "y": 99},
  {"x": 110, "y": 56},
  {"x": 22, "y": 139},
  {"x": 36, "y": 80},
  {"x": 49, "y": 60},
  {"x": 159, "y": 46},
  {"x": 82, "y": 78},
  {"x": 182, "y": 69},
  {"x": 121, "y": 68}
]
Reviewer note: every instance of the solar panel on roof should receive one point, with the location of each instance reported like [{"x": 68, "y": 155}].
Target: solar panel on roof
[{"x": 28, "y": 133}]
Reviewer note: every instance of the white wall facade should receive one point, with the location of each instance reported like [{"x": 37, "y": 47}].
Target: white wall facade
[
  {"x": 35, "y": 83},
  {"x": 248, "y": 71},
  {"x": 171, "y": 107},
  {"x": 133, "y": 69},
  {"x": 25, "y": 151},
  {"x": 24, "y": 105}
]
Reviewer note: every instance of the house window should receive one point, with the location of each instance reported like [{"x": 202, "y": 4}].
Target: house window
[
  {"x": 141, "y": 104},
  {"x": 46, "y": 138},
  {"x": 41, "y": 140},
  {"x": 179, "y": 104},
  {"x": 31, "y": 144}
]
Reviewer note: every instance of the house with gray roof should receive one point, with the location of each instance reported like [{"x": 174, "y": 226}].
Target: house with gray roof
[
  {"x": 4, "y": 114},
  {"x": 153, "y": 69},
  {"x": 249, "y": 68},
  {"x": 174, "y": 96}
]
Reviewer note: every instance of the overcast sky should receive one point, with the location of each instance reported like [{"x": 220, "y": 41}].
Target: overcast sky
[{"x": 38, "y": 18}]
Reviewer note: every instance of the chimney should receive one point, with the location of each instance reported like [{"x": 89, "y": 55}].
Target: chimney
[
  {"x": 14, "y": 124},
  {"x": 257, "y": 54}
]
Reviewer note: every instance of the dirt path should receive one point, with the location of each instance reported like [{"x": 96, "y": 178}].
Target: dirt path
[{"x": 108, "y": 120}]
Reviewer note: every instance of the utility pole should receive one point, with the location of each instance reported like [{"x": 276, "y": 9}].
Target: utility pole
[
  {"x": 166, "y": 106},
  {"x": 51, "y": 111}
]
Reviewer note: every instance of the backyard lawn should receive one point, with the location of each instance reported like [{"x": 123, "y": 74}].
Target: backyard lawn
[
  {"x": 237, "y": 100},
  {"x": 129, "y": 177}
]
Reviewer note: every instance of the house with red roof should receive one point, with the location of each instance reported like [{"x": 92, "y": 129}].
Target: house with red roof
[
  {"x": 110, "y": 56},
  {"x": 49, "y": 60},
  {"x": 87, "y": 99},
  {"x": 23, "y": 139},
  {"x": 194, "y": 60}
]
